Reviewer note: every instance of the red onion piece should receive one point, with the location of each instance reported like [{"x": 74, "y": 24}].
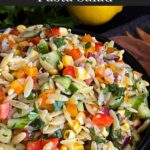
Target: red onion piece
[
  {"x": 88, "y": 81},
  {"x": 90, "y": 55},
  {"x": 100, "y": 60},
  {"x": 126, "y": 141},
  {"x": 105, "y": 110}
]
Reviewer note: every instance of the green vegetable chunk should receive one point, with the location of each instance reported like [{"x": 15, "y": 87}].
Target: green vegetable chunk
[
  {"x": 43, "y": 47},
  {"x": 18, "y": 123},
  {"x": 114, "y": 104},
  {"x": 5, "y": 134},
  {"x": 144, "y": 111},
  {"x": 58, "y": 105},
  {"x": 45, "y": 86},
  {"x": 63, "y": 81},
  {"x": 50, "y": 60},
  {"x": 59, "y": 41}
]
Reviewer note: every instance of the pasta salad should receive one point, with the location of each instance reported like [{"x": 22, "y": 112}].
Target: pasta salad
[{"x": 60, "y": 90}]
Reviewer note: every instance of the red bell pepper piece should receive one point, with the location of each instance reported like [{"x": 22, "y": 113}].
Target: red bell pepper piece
[
  {"x": 52, "y": 31},
  {"x": 98, "y": 46},
  {"x": 4, "y": 111},
  {"x": 69, "y": 70},
  {"x": 102, "y": 120},
  {"x": 38, "y": 145},
  {"x": 35, "y": 145},
  {"x": 35, "y": 40}
]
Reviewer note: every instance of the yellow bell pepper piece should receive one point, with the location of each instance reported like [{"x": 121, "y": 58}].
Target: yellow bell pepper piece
[
  {"x": 75, "y": 125},
  {"x": 78, "y": 146},
  {"x": 67, "y": 60},
  {"x": 63, "y": 147}
]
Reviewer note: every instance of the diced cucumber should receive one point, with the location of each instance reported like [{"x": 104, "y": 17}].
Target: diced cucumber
[
  {"x": 63, "y": 81},
  {"x": 5, "y": 134},
  {"x": 141, "y": 86},
  {"x": 74, "y": 87},
  {"x": 45, "y": 86},
  {"x": 80, "y": 106},
  {"x": 143, "y": 111},
  {"x": 37, "y": 123},
  {"x": 43, "y": 47},
  {"x": 50, "y": 60},
  {"x": 18, "y": 123},
  {"x": 136, "y": 101},
  {"x": 58, "y": 105},
  {"x": 114, "y": 104}
]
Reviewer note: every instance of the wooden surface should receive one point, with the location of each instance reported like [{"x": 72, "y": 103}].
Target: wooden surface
[{"x": 138, "y": 46}]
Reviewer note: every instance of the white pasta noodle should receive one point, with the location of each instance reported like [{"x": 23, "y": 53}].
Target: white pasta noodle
[
  {"x": 49, "y": 129},
  {"x": 67, "y": 115},
  {"x": 20, "y": 146},
  {"x": 69, "y": 141},
  {"x": 48, "y": 146},
  {"x": 7, "y": 76},
  {"x": 19, "y": 104},
  {"x": 93, "y": 146},
  {"x": 6, "y": 60},
  {"x": 18, "y": 138},
  {"x": 58, "y": 120},
  {"x": 6, "y": 147},
  {"x": 28, "y": 86}
]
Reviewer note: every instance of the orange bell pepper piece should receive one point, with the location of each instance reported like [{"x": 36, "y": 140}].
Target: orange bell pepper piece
[
  {"x": 31, "y": 71},
  {"x": 18, "y": 88},
  {"x": 110, "y": 50},
  {"x": 4, "y": 36},
  {"x": 87, "y": 38},
  {"x": 91, "y": 49},
  {"x": 2, "y": 94},
  {"x": 75, "y": 53},
  {"x": 19, "y": 74},
  {"x": 44, "y": 97},
  {"x": 72, "y": 109}
]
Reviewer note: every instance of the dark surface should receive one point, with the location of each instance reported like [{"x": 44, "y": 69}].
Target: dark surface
[
  {"x": 145, "y": 141},
  {"x": 128, "y": 14}
]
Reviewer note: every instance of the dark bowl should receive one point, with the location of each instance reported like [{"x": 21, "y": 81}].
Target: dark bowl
[{"x": 129, "y": 59}]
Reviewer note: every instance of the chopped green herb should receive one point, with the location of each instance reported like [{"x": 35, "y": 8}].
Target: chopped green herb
[
  {"x": 87, "y": 45},
  {"x": 96, "y": 102},
  {"x": 99, "y": 139},
  {"x": 92, "y": 131},
  {"x": 116, "y": 91},
  {"x": 59, "y": 41},
  {"x": 31, "y": 96},
  {"x": 57, "y": 134},
  {"x": 30, "y": 49}
]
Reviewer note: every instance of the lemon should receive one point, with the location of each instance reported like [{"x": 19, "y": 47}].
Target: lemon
[{"x": 94, "y": 15}]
